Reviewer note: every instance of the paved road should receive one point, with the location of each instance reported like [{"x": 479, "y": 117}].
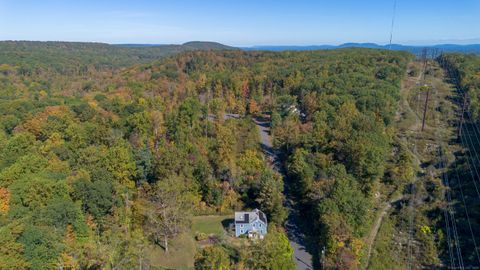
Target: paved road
[{"x": 303, "y": 259}]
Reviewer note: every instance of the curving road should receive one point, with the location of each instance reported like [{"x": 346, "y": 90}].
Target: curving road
[{"x": 303, "y": 259}]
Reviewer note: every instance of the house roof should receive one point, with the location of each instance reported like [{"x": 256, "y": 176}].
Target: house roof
[{"x": 250, "y": 216}]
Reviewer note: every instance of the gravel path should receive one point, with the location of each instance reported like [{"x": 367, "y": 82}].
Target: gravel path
[{"x": 376, "y": 227}]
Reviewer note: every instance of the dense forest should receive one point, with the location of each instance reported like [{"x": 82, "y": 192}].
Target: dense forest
[
  {"x": 103, "y": 166},
  {"x": 78, "y": 58}
]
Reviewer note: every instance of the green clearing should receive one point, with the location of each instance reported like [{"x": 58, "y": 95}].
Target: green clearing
[
  {"x": 182, "y": 249},
  {"x": 180, "y": 255},
  {"x": 210, "y": 224},
  {"x": 384, "y": 252}
]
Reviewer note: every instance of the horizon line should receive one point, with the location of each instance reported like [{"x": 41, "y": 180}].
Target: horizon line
[{"x": 248, "y": 46}]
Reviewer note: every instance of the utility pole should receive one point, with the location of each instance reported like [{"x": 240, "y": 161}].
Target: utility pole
[
  {"x": 425, "y": 62},
  {"x": 435, "y": 53},
  {"x": 322, "y": 259},
  {"x": 425, "y": 108},
  {"x": 464, "y": 106}
]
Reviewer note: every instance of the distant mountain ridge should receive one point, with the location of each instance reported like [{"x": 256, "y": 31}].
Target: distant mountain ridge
[
  {"x": 471, "y": 48},
  {"x": 191, "y": 45},
  {"x": 67, "y": 56},
  {"x": 59, "y": 54},
  {"x": 208, "y": 45}
]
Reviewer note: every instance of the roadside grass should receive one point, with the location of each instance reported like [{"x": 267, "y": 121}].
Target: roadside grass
[
  {"x": 406, "y": 116},
  {"x": 383, "y": 253},
  {"x": 408, "y": 119}
]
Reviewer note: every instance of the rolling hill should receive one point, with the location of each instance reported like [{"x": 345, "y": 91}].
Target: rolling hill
[
  {"x": 472, "y": 48},
  {"x": 58, "y": 55}
]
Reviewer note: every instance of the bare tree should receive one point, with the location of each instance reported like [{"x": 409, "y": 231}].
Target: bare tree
[{"x": 166, "y": 209}]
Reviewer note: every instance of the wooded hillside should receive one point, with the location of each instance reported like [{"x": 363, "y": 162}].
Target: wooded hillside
[{"x": 98, "y": 165}]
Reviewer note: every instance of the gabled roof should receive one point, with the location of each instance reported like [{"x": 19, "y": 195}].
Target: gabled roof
[{"x": 246, "y": 217}]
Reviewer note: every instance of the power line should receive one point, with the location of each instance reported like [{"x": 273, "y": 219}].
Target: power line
[
  {"x": 452, "y": 214},
  {"x": 476, "y": 132},
  {"x": 411, "y": 203},
  {"x": 460, "y": 186},
  {"x": 469, "y": 158},
  {"x": 467, "y": 215},
  {"x": 461, "y": 126},
  {"x": 449, "y": 215},
  {"x": 445, "y": 212},
  {"x": 470, "y": 146},
  {"x": 411, "y": 217}
]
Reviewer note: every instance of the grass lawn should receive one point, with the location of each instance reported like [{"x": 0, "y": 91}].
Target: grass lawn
[
  {"x": 180, "y": 255},
  {"x": 210, "y": 224},
  {"x": 182, "y": 249}
]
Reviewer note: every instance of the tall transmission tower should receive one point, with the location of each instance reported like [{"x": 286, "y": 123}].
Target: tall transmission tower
[{"x": 393, "y": 24}]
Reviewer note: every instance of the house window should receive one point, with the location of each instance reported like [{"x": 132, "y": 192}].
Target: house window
[
  {"x": 241, "y": 231},
  {"x": 254, "y": 225},
  {"x": 260, "y": 225},
  {"x": 241, "y": 226}
]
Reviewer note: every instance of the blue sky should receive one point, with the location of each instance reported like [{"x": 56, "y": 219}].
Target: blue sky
[{"x": 242, "y": 23}]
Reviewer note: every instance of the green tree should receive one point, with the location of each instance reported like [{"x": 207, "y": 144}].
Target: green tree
[
  {"x": 96, "y": 197},
  {"x": 347, "y": 199},
  {"x": 225, "y": 151},
  {"x": 42, "y": 247},
  {"x": 300, "y": 171},
  {"x": 11, "y": 250},
  {"x": 121, "y": 164},
  {"x": 212, "y": 257},
  {"x": 9, "y": 122},
  {"x": 344, "y": 216},
  {"x": 274, "y": 252},
  {"x": 29, "y": 164},
  {"x": 20, "y": 144},
  {"x": 270, "y": 197},
  {"x": 366, "y": 157}
]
